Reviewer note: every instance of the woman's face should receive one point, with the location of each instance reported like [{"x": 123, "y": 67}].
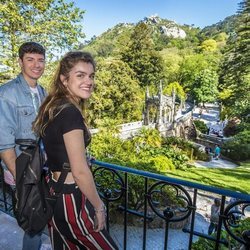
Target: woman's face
[{"x": 80, "y": 82}]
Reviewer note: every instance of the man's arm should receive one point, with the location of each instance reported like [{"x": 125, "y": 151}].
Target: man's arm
[{"x": 9, "y": 158}]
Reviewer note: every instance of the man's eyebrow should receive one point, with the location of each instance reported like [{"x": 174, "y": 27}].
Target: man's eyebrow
[{"x": 30, "y": 57}]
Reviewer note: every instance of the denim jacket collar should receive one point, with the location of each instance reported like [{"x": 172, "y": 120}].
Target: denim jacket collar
[{"x": 26, "y": 88}]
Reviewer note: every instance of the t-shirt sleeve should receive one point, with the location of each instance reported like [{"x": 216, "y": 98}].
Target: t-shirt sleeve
[{"x": 70, "y": 118}]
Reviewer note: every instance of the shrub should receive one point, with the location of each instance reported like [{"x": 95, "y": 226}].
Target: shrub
[
  {"x": 238, "y": 148},
  {"x": 231, "y": 127},
  {"x": 242, "y": 127},
  {"x": 187, "y": 148},
  {"x": 201, "y": 126},
  {"x": 162, "y": 163}
]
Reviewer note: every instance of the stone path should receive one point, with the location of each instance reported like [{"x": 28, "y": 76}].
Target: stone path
[
  {"x": 220, "y": 163},
  {"x": 11, "y": 236}
]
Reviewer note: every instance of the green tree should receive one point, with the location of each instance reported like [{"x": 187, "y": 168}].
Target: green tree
[
  {"x": 190, "y": 67},
  {"x": 141, "y": 56},
  {"x": 235, "y": 69},
  {"x": 117, "y": 94},
  {"x": 177, "y": 88},
  {"x": 205, "y": 86},
  {"x": 172, "y": 60},
  {"x": 208, "y": 45},
  {"x": 148, "y": 138},
  {"x": 53, "y": 23}
]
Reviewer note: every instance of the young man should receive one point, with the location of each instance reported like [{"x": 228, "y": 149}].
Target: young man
[
  {"x": 217, "y": 152},
  {"x": 20, "y": 99}
]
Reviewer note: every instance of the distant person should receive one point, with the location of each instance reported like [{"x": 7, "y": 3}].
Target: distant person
[
  {"x": 214, "y": 218},
  {"x": 207, "y": 150},
  {"x": 217, "y": 152},
  {"x": 208, "y": 130}
]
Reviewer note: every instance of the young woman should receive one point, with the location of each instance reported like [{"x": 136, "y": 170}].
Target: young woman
[{"x": 79, "y": 217}]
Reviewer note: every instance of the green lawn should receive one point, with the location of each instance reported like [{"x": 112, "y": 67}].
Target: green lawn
[{"x": 237, "y": 179}]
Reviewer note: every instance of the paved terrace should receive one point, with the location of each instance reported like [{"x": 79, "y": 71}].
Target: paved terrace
[{"x": 11, "y": 236}]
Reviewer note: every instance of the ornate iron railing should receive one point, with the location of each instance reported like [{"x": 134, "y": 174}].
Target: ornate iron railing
[
  {"x": 162, "y": 198},
  {"x": 173, "y": 200}
]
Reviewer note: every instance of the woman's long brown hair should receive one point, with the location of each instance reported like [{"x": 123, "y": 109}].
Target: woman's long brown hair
[{"x": 52, "y": 105}]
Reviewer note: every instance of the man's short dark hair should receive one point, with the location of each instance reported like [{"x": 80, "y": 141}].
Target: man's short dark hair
[{"x": 31, "y": 47}]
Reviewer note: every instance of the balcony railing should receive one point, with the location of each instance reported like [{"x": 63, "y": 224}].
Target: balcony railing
[
  {"x": 173, "y": 200},
  {"x": 140, "y": 194}
]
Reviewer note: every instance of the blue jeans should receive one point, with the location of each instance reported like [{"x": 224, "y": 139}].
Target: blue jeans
[
  {"x": 32, "y": 242},
  {"x": 212, "y": 227}
]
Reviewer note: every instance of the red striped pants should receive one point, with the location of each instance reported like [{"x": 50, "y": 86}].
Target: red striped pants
[{"x": 72, "y": 226}]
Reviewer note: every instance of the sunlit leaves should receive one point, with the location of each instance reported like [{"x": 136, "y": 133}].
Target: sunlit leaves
[{"x": 53, "y": 23}]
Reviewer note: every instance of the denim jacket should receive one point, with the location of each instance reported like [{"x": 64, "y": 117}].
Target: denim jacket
[{"x": 17, "y": 112}]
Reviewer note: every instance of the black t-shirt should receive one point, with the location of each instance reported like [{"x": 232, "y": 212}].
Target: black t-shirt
[{"x": 68, "y": 119}]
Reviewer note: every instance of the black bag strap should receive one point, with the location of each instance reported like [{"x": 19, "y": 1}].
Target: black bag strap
[
  {"x": 25, "y": 143},
  {"x": 62, "y": 177}
]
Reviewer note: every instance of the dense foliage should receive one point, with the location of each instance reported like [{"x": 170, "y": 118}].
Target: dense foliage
[
  {"x": 235, "y": 69},
  {"x": 146, "y": 151},
  {"x": 117, "y": 94},
  {"x": 142, "y": 57},
  {"x": 238, "y": 148},
  {"x": 53, "y": 23}
]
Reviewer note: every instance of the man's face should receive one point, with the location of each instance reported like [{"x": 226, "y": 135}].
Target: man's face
[{"x": 32, "y": 66}]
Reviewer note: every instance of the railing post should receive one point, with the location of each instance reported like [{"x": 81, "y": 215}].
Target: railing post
[
  {"x": 166, "y": 235},
  {"x": 192, "y": 220},
  {"x": 125, "y": 212},
  {"x": 145, "y": 213}
]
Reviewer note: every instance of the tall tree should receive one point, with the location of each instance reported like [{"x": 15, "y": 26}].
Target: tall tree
[
  {"x": 172, "y": 59},
  {"x": 235, "y": 69},
  {"x": 205, "y": 87},
  {"x": 117, "y": 95},
  {"x": 177, "y": 88},
  {"x": 142, "y": 57},
  {"x": 53, "y": 23},
  {"x": 190, "y": 67}
]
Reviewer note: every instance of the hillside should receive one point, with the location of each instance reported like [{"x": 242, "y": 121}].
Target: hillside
[
  {"x": 164, "y": 33},
  {"x": 228, "y": 25}
]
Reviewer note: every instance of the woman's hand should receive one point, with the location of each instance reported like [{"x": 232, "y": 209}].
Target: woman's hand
[{"x": 100, "y": 219}]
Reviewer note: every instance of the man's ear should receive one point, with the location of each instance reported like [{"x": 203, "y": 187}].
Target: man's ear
[
  {"x": 63, "y": 80},
  {"x": 20, "y": 62}
]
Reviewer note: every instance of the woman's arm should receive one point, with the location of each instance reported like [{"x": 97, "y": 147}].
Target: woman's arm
[{"x": 74, "y": 144}]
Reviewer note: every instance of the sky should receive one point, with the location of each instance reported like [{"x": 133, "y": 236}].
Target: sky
[{"x": 101, "y": 15}]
